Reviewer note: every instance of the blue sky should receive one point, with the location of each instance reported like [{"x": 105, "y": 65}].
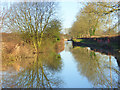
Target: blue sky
[{"x": 68, "y": 12}]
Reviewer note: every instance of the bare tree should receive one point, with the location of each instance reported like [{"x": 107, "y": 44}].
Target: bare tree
[
  {"x": 95, "y": 17},
  {"x": 30, "y": 19}
]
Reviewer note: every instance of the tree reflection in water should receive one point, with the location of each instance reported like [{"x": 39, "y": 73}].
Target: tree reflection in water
[
  {"x": 100, "y": 70},
  {"x": 38, "y": 74}
]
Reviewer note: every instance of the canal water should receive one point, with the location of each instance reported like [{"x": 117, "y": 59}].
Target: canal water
[{"x": 77, "y": 67}]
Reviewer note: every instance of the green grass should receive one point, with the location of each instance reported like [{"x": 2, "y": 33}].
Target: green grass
[
  {"x": 113, "y": 45},
  {"x": 77, "y": 40}
]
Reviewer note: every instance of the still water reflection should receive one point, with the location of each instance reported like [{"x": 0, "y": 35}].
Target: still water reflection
[{"x": 72, "y": 68}]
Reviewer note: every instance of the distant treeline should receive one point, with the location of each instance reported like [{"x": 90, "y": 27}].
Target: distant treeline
[{"x": 96, "y": 18}]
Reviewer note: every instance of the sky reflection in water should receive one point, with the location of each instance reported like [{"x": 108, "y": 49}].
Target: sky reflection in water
[{"x": 77, "y": 68}]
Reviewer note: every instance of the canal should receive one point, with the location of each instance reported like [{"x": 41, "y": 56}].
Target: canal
[{"x": 77, "y": 67}]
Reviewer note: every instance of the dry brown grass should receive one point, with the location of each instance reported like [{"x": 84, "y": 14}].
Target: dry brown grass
[
  {"x": 109, "y": 36},
  {"x": 14, "y": 51}
]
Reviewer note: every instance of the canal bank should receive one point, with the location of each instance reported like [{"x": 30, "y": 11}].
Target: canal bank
[{"x": 79, "y": 67}]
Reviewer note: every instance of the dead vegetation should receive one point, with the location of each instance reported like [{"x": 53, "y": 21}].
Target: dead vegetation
[{"x": 16, "y": 53}]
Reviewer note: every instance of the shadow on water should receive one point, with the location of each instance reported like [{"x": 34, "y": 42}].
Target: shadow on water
[
  {"x": 104, "y": 49},
  {"x": 99, "y": 45},
  {"x": 41, "y": 71},
  {"x": 100, "y": 68}
]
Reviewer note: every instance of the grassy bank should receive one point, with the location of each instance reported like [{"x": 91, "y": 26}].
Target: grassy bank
[{"x": 101, "y": 42}]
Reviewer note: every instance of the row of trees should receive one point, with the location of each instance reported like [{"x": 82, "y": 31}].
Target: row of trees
[
  {"x": 96, "y": 18},
  {"x": 33, "y": 20}
]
